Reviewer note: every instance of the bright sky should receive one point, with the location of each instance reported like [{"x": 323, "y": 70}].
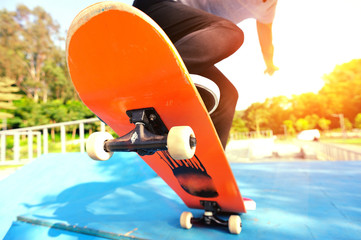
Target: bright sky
[{"x": 310, "y": 38}]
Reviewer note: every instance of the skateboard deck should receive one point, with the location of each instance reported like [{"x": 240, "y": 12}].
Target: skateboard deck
[{"x": 119, "y": 59}]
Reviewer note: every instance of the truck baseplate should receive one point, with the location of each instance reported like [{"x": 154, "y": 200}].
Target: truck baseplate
[
  {"x": 211, "y": 209},
  {"x": 148, "y": 136}
]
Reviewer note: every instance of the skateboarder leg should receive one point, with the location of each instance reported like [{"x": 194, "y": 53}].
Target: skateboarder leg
[{"x": 202, "y": 39}]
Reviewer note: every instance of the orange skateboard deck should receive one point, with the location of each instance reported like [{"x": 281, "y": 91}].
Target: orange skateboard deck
[{"x": 119, "y": 60}]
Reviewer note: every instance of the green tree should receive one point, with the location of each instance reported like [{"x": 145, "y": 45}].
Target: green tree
[
  {"x": 28, "y": 113},
  {"x": 29, "y": 56},
  {"x": 76, "y": 111},
  {"x": 348, "y": 124},
  {"x": 8, "y": 93},
  {"x": 289, "y": 127},
  {"x": 55, "y": 111},
  {"x": 56, "y": 77},
  {"x": 308, "y": 104},
  {"x": 358, "y": 121},
  {"x": 343, "y": 89},
  {"x": 37, "y": 29},
  {"x": 256, "y": 116},
  {"x": 278, "y": 110},
  {"x": 302, "y": 124},
  {"x": 324, "y": 123},
  {"x": 238, "y": 124},
  {"x": 312, "y": 121},
  {"x": 11, "y": 54}
]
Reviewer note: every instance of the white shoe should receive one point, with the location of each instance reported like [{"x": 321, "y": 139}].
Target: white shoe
[{"x": 208, "y": 90}]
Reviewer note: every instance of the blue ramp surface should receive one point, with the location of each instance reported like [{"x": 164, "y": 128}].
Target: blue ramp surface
[{"x": 69, "y": 196}]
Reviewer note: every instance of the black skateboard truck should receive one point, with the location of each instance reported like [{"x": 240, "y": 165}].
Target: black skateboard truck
[
  {"x": 149, "y": 136},
  {"x": 211, "y": 210}
]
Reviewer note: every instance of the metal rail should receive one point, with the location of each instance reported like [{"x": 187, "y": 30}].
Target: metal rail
[
  {"x": 41, "y": 133},
  {"x": 333, "y": 152}
]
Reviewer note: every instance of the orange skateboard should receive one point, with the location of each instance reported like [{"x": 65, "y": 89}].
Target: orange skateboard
[{"x": 127, "y": 71}]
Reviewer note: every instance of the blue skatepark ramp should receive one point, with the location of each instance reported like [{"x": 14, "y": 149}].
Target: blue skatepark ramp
[{"x": 69, "y": 196}]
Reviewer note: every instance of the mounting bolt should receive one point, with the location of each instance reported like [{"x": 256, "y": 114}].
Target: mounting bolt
[
  {"x": 192, "y": 142},
  {"x": 152, "y": 117}
]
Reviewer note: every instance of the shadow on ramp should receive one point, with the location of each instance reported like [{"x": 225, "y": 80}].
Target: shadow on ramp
[{"x": 125, "y": 199}]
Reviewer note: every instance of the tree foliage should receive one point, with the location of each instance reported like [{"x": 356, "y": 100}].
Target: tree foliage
[
  {"x": 358, "y": 121},
  {"x": 29, "y": 55},
  {"x": 29, "y": 113},
  {"x": 341, "y": 94},
  {"x": 239, "y": 125},
  {"x": 343, "y": 89},
  {"x": 32, "y": 65},
  {"x": 324, "y": 124},
  {"x": 8, "y": 93}
]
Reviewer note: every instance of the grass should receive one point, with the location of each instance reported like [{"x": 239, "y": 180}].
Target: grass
[
  {"x": 9, "y": 167},
  {"x": 53, "y": 147}
]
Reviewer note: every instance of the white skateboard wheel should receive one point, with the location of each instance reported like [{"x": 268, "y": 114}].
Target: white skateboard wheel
[
  {"x": 95, "y": 146},
  {"x": 185, "y": 220},
  {"x": 235, "y": 224},
  {"x": 178, "y": 142}
]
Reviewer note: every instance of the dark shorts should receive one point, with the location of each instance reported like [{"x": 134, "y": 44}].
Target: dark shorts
[{"x": 179, "y": 20}]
